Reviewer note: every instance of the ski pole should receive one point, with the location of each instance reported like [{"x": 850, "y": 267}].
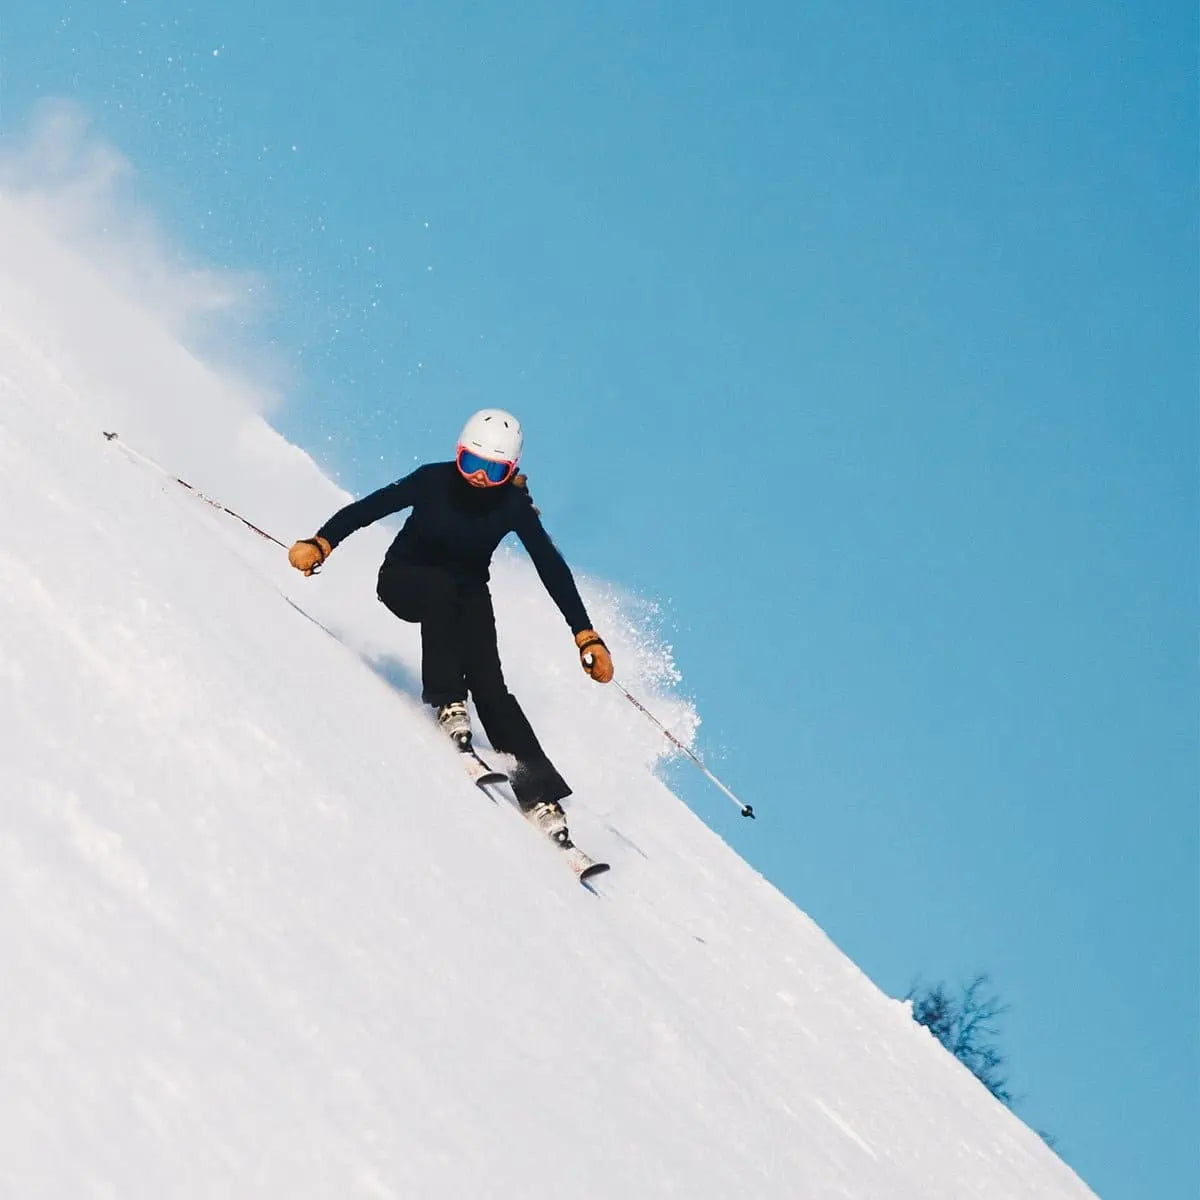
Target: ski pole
[
  {"x": 746, "y": 810},
  {"x": 112, "y": 437}
]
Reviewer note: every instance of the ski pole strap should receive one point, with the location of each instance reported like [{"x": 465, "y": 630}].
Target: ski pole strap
[{"x": 312, "y": 541}]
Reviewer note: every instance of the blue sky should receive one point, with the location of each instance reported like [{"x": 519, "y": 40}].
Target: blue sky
[{"x": 863, "y": 338}]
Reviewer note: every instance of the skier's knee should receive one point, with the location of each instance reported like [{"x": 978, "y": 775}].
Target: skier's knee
[{"x": 416, "y": 594}]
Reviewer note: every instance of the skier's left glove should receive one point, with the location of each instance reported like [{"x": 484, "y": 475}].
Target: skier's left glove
[
  {"x": 309, "y": 554},
  {"x": 594, "y": 655}
]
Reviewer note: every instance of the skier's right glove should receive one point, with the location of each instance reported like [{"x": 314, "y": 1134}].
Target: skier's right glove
[
  {"x": 309, "y": 554},
  {"x": 594, "y": 655}
]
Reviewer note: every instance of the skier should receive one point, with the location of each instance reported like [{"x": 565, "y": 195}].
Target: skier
[{"x": 436, "y": 573}]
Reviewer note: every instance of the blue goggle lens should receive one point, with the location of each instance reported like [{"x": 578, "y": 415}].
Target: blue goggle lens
[{"x": 496, "y": 472}]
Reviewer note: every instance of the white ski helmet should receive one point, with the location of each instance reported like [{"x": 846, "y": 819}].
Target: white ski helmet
[{"x": 491, "y": 434}]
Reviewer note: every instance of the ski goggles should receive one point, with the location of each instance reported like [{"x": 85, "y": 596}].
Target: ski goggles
[{"x": 470, "y": 464}]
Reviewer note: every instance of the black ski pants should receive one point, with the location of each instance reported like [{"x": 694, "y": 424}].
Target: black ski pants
[{"x": 459, "y": 655}]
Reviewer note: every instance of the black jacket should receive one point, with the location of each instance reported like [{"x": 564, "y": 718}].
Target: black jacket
[{"x": 458, "y": 527}]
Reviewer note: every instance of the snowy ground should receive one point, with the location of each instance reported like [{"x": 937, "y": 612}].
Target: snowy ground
[{"x": 260, "y": 937}]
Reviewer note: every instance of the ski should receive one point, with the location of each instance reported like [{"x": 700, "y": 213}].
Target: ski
[
  {"x": 480, "y": 774},
  {"x": 581, "y": 864},
  {"x": 553, "y": 823}
]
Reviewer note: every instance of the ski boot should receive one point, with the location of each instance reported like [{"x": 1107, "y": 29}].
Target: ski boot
[
  {"x": 549, "y": 817},
  {"x": 454, "y": 721}
]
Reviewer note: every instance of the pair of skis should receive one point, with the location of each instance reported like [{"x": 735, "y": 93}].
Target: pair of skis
[{"x": 582, "y": 865}]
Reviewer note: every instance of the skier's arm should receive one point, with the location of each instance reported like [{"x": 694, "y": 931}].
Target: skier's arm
[
  {"x": 552, "y": 568},
  {"x": 309, "y": 554},
  {"x": 560, "y": 583},
  {"x": 384, "y": 502}
]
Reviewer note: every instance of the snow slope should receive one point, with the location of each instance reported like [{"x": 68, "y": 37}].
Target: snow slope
[{"x": 261, "y": 939}]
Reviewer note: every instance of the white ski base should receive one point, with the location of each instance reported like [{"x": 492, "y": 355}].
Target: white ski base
[{"x": 583, "y": 866}]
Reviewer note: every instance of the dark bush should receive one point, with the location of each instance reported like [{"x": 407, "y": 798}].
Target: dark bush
[{"x": 966, "y": 1025}]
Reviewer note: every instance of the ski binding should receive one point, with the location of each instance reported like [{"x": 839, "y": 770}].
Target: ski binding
[{"x": 581, "y": 864}]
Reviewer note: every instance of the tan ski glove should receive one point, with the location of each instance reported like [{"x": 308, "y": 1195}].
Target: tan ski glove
[
  {"x": 309, "y": 554},
  {"x": 594, "y": 655}
]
